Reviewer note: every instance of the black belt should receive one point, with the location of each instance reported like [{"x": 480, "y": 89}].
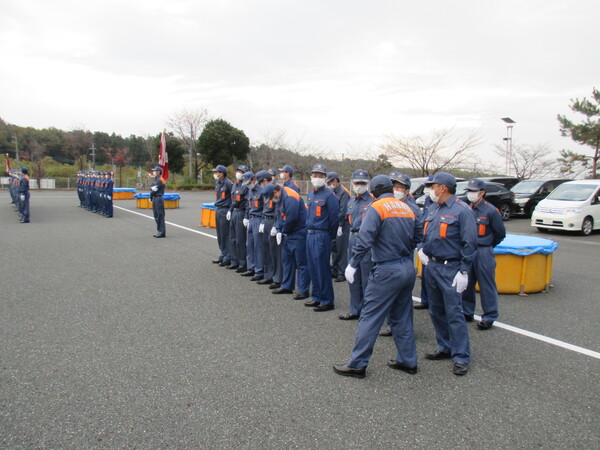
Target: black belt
[
  {"x": 269, "y": 217},
  {"x": 444, "y": 261},
  {"x": 317, "y": 231},
  {"x": 354, "y": 232},
  {"x": 222, "y": 207},
  {"x": 256, "y": 216}
]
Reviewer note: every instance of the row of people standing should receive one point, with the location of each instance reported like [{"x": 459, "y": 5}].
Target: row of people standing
[
  {"x": 19, "y": 192},
  {"x": 95, "y": 192}
]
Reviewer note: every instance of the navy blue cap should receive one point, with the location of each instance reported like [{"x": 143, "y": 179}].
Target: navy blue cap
[
  {"x": 332, "y": 176},
  {"x": 273, "y": 172},
  {"x": 247, "y": 177},
  {"x": 444, "y": 178},
  {"x": 263, "y": 175},
  {"x": 380, "y": 182},
  {"x": 158, "y": 169},
  {"x": 242, "y": 167},
  {"x": 476, "y": 185},
  {"x": 221, "y": 169},
  {"x": 319, "y": 168},
  {"x": 360, "y": 176},
  {"x": 429, "y": 181},
  {"x": 24, "y": 169},
  {"x": 268, "y": 190},
  {"x": 401, "y": 178},
  {"x": 287, "y": 168}
]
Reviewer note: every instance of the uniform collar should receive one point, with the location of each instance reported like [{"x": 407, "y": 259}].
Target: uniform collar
[{"x": 450, "y": 201}]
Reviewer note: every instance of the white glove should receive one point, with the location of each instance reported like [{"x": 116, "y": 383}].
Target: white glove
[
  {"x": 461, "y": 280},
  {"x": 261, "y": 228},
  {"x": 340, "y": 232},
  {"x": 154, "y": 188},
  {"x": 278, "y": 238},
  {"x": 245, "y": 222},
  {"x": 228, "y": 216},
  {"x": 423, "y": 257},
  {"x": 273, "y": 231},
  {"x": 349, "y": 273},
  {"x": 22, "y": 197}
]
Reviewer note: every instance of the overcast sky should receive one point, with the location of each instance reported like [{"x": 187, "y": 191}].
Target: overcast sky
[{"x": 340, "y": 74}]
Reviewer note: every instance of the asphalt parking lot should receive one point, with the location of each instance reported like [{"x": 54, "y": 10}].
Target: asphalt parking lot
[{"x": 111, "y": 338}]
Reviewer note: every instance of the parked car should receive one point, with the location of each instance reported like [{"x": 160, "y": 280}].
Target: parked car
[
  {"x": 528, "y": 193},
  {"x": 507, "y": 182},
  {"x": 572, "y": 206},
  {"x": 496, "y": 194},
  {"x": 417, "y": 186}
]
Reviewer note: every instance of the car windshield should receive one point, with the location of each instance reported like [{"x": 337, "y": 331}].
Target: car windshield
[
  {"x": 461, "y": 186},
  {"x": 415, "y": 185},
  {"x": 572, "y": 192},
  {"x": 526, "y": 187}
]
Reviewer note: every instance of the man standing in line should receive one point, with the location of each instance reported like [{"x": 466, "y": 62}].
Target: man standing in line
[
  {"x": 339, "y": 253},
  {"x": 235, "y": 216},
  {"x": 447, "y": 254},
  {"x": 223, "y": 188},
  {"x": 24, "y": 195},
  {"x": 252, "y": 222},
  {"x": 357, "y": 207},
  {"x": 322, "y": 223},
  {"x": 157, "y": 190},
  {"x": 490, "y": 232},
  {"x": 391, "y": 231},
  {"x": 270, "y": 248},
  {"x": 285, "y": 174}
]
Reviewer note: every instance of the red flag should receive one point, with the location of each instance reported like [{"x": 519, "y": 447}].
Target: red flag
[
  {"x": 7, "y": 164},
  {"x": 163, "y": 156}
]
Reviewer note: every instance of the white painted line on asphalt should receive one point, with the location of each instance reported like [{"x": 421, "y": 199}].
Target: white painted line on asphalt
[
  {"x": 168, "y": 223},
  {"x": 539, "y": 337}
]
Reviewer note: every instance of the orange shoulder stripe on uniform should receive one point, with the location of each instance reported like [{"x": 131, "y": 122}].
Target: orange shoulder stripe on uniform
[
  {"x": 389, "y": 207},
  {"x": 292, "y": 193},
  {"x": 346, "y": 189},
  {"x": 162, "y": 180}
]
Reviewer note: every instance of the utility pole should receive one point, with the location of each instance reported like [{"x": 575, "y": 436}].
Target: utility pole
[
  {"x": 509, "y": 127},
  {"x": 191, "y": 149},
  {"x": 93, "y": 149},
  {"x": 17, "y": 147}
]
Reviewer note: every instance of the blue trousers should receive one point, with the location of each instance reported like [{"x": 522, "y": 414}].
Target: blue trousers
[
  {"x": 237, "y": 238},
  {"x": 293, "y": 256},
  {"x": 388, "y": 294},
  {"x": 268, "y": 243},
  {"x": 482, "y": 271},
  {"x": 445, "y": 309},
  {"x": 318, "y": 251},
  {"x": 158, "y": 209},
  {"x": 223, "y": 235},
  {"x": 361, "y": 278},
  {"x": 24, "y": 208},
  {"x": 255, "y": 246},
  {"x": 339, "y": 252}
]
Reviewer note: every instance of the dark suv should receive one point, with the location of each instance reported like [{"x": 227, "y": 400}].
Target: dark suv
[
  {"x": 507, "y": 182},
  {"x": 528, "y": 193},
  {"x": 496, "y": 194}
]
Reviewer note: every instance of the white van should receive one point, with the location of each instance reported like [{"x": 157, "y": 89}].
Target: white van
[{"x": 572, "y": 206}]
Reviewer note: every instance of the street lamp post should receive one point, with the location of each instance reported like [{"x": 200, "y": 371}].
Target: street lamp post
[
  {"x": 17, "y": 148},
  {"x": 509, "y": 127}
]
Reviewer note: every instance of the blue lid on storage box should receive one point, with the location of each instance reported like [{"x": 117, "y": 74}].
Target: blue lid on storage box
[
  {"x": 208, "y": 206},
  {"x": 165, "y": 196},
  {"x": 124, "y": 190},
  {"x": 514, "y": 244}
]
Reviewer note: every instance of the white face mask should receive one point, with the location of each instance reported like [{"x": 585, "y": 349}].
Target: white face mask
[
  {"x": 400, "y": 195},
  {"x": 427, "y": 191},
  {"x": 317, "y": 182},
  {"x": 282, "y": 176},
  {"x": 238, "y": 176},
  {"x": 434, "y": 198},
  {"x": 473, "y": 197},
  {"x": 360, "y": 189},
  {"x": 216, "y": 176},
  {"x": 251, "y": 186}
]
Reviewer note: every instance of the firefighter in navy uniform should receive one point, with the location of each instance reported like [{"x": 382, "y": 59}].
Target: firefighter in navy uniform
[
  {"x": 223, "y": 188},
  {"x": 391, "y": 231},
  {"x": 157, "y": 190},
  {"x": 339, "y": 252},
  {"x": 24, "y": 195},
  {"x": 490, "y": 232},
  {"x": 447, "y": 253},
  {"x": 236, "y": 215}
]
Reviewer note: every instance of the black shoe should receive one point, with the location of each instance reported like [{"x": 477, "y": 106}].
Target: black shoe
[
  {"x": 484, "y": 325},
  {"x": 421, "y": 306},
  {"x": 396, "y": 365},
  {"x": 311, "y": 304},
  {"x": 214, "y": 261},
  {"x": 248, "y": 273},
  {"x": 348, "y": 316},
  {"x": 322, "y": 308},
  {"x": 232, "y": 267},
  {"x": 24, "y": 221},
  {"x": 265, "y": 281},
  {"x": 257, "y": 278},
  {"x": 223, "y": 264},
  {"x": 460, "y": 368},
  {"x": 437, "y": 355},
  {"x": 333, "y": 275},
  {"x": 275, "y": 286},
  {"x": 160, "y": 236},
  {"x": 469, "y": 317},
  {"x": 343, "y": 369},
  {"x": 385, "y": 333},
  {"x": 301, "y": 296},
  {"x": 282, "y": 291},
  {"x": 240, "y": 270},
  {"x": 154, "y": 235},
  {"x": 340, "y": 278}
]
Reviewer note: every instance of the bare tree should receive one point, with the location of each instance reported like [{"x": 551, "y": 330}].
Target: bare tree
[
  {"x": 188, "y": 125},
  {"x": 529, "y": 161},
  {"x": 430, "y": 154}
]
